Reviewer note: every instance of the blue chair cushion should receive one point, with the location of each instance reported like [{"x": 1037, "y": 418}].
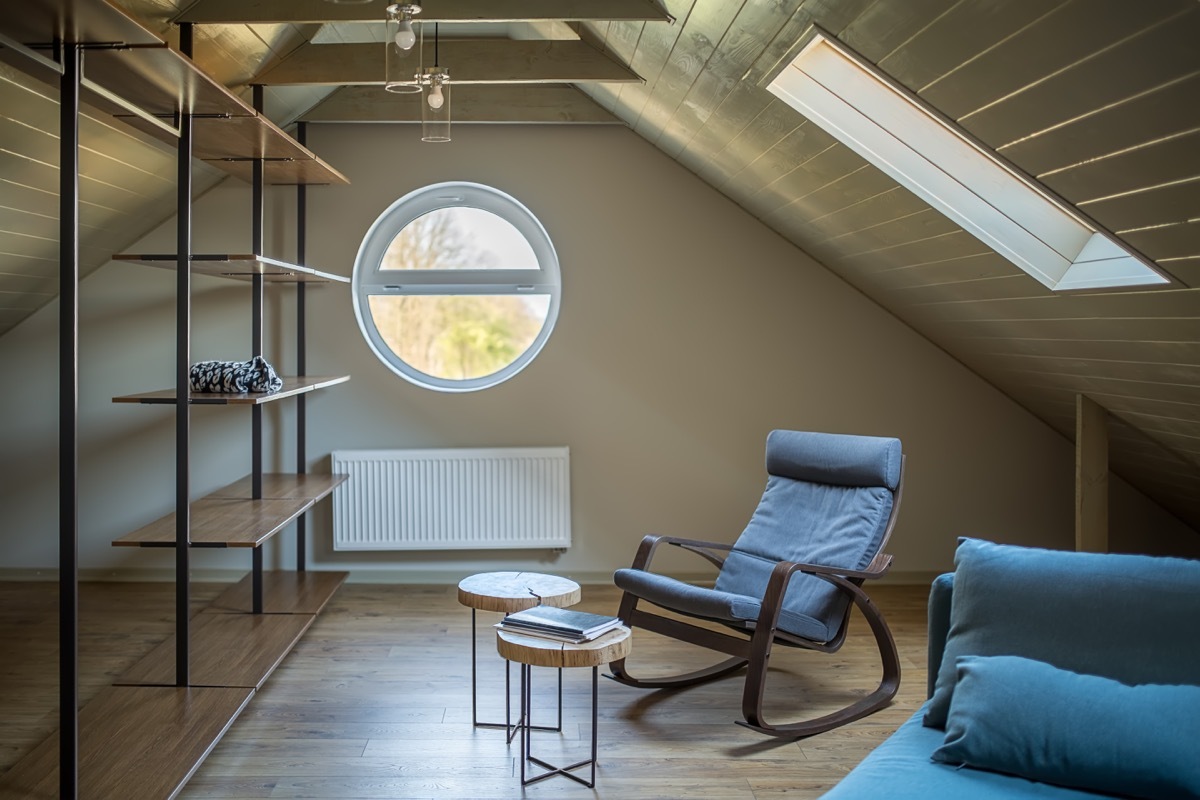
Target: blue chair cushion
[
  {"x": 1028, "y": 718},
  {"x": 834, "y": 526},
  {"x": 1083, "y": 612},
  {"x": 834, "y": 458},
  {"x": 698, "y": 601}
]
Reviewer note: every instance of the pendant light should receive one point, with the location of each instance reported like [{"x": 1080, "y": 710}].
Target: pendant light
[
  {"x": 402, "y": 66},
  {"x": 435, "y": 111}
]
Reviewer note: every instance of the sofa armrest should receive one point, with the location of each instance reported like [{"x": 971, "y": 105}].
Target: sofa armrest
[{"x": 939, "y": 623}]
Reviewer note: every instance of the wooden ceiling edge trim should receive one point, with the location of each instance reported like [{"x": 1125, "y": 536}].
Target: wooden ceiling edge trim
[
  {"x": 236, "y": 12},
  {"x": 497, "y": 104}
]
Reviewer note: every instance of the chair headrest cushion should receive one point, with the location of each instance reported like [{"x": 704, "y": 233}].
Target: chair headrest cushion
[{"x": 834, "y": 458}]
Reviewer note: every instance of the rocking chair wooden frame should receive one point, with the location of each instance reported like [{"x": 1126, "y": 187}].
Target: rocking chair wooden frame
[{"x": 754, "y": 652}]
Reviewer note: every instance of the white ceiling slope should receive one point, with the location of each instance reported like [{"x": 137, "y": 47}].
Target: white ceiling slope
[{"x": 1098, "y": 101}]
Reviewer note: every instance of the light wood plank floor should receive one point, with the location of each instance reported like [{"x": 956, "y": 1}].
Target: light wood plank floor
[{"x": 375, "y": 702}]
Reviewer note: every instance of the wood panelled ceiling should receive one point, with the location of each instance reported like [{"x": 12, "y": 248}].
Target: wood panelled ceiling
[{"x": 1098, "y": 100}]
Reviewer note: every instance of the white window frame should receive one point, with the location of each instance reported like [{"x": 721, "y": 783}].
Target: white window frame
[
  {"x": 369, "y": 280},
  {"x": 900, "y": 134}
]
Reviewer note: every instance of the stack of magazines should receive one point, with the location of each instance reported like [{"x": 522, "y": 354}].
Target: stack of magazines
[{"x": 560, "y": 624}]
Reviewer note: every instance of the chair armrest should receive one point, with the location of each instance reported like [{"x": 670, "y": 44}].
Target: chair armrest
[
  {"x": 878, "y": 567},
  {"x": 782, "y": 574},
  {"x": 650, "y": 543}
]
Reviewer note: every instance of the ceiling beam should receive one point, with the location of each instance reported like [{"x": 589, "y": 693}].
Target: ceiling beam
[
  {"x": 505, "y": 103},
  {"x": 307, "y": 11},
  {"x": 469, "y": 61}
]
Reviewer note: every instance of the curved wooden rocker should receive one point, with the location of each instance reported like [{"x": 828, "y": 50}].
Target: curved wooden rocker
[{"x": 861, "y": 480}]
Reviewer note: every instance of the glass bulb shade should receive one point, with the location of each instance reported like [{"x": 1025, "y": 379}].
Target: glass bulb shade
[
  {"x": 405, "y": 38},
  {"x": 435, "y": 112}
]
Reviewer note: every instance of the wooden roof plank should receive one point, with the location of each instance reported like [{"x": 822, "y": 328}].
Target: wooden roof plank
[{"x": 469, "y": 61}]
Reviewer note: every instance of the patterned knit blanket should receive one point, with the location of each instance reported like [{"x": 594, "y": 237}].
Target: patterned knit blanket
[{"x": 234, "y": 377}]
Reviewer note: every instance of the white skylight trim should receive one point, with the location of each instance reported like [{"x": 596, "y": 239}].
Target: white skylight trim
[{"x": 850, "y": 99}]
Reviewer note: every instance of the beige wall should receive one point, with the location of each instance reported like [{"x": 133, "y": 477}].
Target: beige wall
[{"x": 688, "y": 331}]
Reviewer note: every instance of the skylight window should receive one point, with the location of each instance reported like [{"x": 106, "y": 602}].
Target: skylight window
[{"x": 866, "y": 111}]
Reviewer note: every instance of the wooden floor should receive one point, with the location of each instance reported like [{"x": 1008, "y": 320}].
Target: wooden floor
[{"x": 374, "y": 702}]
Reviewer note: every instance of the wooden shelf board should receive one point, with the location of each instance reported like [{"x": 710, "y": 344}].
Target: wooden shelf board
[
  {"x": 312, "y": 171},
  {"x": 222, "y": 522},
  {"x": 312, "y": 485},
  {"x": 227, "y": 143},
  {"x": 43, "y": 21},
  {"x": 238, "y": 266},
  {"x": 291, "y": 386},
  {"x": 134, "y": 741},
  {"x": 232, "y": 650},
  {"x": 284, "y": 592}
]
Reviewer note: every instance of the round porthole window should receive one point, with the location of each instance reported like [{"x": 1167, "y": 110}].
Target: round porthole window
[{"x": 456, "y": 287}]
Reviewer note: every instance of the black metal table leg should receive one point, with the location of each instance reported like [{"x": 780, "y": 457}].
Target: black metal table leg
[
  {"x": 509, "y": 728},
  {"x": 526, "y": 740}
]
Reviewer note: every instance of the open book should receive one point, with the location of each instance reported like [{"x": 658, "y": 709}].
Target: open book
[{"x": 562, "y": 624}]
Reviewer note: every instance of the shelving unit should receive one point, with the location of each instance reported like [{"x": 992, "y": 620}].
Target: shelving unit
[{"x": 146, "y": 735}]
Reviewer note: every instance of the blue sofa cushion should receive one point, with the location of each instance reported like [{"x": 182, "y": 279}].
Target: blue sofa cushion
[
  {"x": 1082, "y": 612},
  {"x": 1028, "y": 718},
  {"x": 900, "y": 769}
]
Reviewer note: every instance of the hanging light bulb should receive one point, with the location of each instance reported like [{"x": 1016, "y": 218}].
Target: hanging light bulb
[
  {"x": 436, "y": 98},
  {"x": 405, "y": 38}
]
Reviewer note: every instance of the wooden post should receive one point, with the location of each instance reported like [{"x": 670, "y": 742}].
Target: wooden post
[{"x": 1091, "y": 476}]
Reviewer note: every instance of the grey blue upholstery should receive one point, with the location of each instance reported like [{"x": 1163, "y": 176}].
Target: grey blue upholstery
[
  {"x": 827, "y": 502},
  {"x": 1090, "y": 613}
]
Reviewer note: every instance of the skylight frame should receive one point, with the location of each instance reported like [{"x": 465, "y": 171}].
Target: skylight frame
[{"x": 897, "y": 132}]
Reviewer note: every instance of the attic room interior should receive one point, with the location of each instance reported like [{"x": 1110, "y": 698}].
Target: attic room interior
[{"x": 339, "y": 329}]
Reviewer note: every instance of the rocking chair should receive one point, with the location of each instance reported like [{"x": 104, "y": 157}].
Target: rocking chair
[{"x": 818, "y": 533}]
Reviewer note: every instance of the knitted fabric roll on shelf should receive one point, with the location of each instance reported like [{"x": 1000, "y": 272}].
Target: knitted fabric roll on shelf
[{"x": 255, "y": 375}]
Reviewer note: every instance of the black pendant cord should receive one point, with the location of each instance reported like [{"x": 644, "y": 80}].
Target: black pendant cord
[
  {"x": 183, "y": 334},
  {"x": 68, "y": 422}
]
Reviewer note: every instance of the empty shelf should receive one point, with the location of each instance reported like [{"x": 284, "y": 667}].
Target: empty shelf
[
  {"x": 237, "y": 266},
  {"x": 233, "y": 650},
  {"x": 134, "y": 741},
  {"x": 312, "y": 486},
  {"x": 284, "y": 592},
  {"x": 291, "y": 386},
  {"x": 222, "y": 522}
]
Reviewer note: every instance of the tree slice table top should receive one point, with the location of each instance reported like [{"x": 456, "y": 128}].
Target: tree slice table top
[
  {"x": 509, "y": 592},
  {"x": 539, "y": 652}
]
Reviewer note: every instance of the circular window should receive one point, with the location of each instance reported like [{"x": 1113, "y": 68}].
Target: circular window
[{"x": 456, "y": 287}]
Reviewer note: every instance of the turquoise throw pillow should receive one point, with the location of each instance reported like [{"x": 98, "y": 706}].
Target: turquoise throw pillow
[
  {"x": 1027, "y": 718},
  {"x": 1135, "y": 619}
]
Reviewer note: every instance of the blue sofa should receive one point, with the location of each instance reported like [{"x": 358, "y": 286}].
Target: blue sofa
[{"x": 1051, "y": 675}]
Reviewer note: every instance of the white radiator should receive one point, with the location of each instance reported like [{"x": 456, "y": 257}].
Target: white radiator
[{"x": 452, "y": 499}]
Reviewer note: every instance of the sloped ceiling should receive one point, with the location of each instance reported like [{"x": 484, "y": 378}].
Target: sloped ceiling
[{"x": 1099, "y": 100}]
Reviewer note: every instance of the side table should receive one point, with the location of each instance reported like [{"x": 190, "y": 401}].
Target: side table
[
  {"x": 507, "y": 593},
  {"x": 532, "y": 651}
]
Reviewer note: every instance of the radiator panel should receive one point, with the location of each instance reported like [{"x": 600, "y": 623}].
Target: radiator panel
[{"x": 452, "y": 499}]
